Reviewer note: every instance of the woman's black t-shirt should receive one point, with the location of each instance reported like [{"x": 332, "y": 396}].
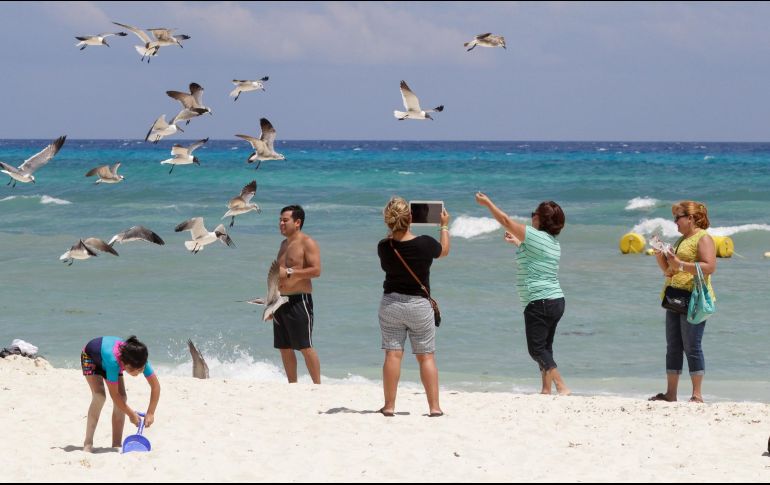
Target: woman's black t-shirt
[{"x": 418, "y": 253}]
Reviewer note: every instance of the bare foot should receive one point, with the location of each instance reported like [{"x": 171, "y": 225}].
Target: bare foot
[
  {"x": 386, "y": 412},
  {"x": 564, "y": 392},
  {"x": 88, "y": 448},
  {"x": 546, "y": 393}
]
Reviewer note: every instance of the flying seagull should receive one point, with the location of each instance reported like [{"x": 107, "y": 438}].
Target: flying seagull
[
  {"x": 183, "y": 155},
  {"x": 163, "y": 37},
  {"x": 149, "y": 48},
  {"x": 192, "y": 102},
  {"x": 242, "y": 86},
  {"x": 85, "y": 249},
  {"x": 26, "y": 169},
  {"x": 412, "y": 106},
  {"x": 263, "y": 146},
  {"x": 100, "y": 39},
  {"x": 201, "y": 236},
  {"x": 107, "y": 174},
  {"x": 273, "y": 300},
  {"x": 136, "y": 233},
  {"x": 200, "y": 368},
  {"x": 486, "y": 40},
  {"x": 241, "y": 204},
  {"x": 161, "y": 129}
]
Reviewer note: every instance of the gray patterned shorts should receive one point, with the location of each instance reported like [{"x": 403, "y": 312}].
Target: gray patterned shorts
[{"x": 402, "y": 315}]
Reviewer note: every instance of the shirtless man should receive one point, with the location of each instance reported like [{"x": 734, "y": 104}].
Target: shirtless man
[{"x": 300, "y": 260}]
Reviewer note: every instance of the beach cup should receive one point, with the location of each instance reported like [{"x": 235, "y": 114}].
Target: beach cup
[{"x": 137, "y": 442}]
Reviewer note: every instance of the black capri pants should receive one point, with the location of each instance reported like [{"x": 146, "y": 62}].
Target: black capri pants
[{"x": 540, "y": 320}]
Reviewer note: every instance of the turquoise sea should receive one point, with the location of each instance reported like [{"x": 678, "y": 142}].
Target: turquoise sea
[{"x": 610, "y": 341}]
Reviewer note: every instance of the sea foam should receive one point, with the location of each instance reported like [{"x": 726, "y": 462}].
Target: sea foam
[
  {"x": 244, "y": 367},
  {"x": 730, "y": 230},
  {"x": 641, "y": 203},
  {"x": 467, "y": 227},
  {"x": 44, "y": 199},
  {"x": 668, "y": 228}
]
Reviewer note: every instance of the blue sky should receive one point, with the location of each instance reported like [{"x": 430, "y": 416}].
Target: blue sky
[{"x": 572, "y": 71}]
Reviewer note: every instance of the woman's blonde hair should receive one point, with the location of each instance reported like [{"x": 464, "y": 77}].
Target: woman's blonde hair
[
  {"x": 397, "y": 214},
  {"x": 698, "y": 211}
]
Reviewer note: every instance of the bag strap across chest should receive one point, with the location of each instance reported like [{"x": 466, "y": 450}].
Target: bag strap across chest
[{"x": 409, "y": 269}]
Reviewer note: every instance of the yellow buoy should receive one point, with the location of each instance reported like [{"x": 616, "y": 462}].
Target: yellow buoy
[
  {"x": 767, "y": 254},
  {"x": 631, "y": 243},
  {"x": 724, "y": 246}
]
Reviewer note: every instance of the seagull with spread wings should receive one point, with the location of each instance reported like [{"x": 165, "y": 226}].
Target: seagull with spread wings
[
  {"x": 99, "y": 39},
  {"x": 149, "y": 47},
  {"x": 274, "y": 299},
  {"x": 486, "y": 40},
  {"x": 136, "y": 233},
  {"x": 242, "y": 204},
  {"x": 412, "y": 106},
  {"x": 107, "y": 174},
  {"x": 192, "y": 103},
  {"x": 183, "y": 155},
  {"x": 161, "y": 129},
  {"x": 86, "y": 248},
  {"x": 264, "y": 145},
  {"x": 242, "y": 86},
  {"x": 163, "y": 37},
  {"x": 24, "y": 172},
  {"x": 201, "y": 236}
]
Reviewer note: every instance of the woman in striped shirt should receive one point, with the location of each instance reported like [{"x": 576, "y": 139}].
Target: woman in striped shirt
[{"x": 537, "y": 281}]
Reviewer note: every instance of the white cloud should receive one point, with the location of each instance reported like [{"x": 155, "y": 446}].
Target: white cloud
[
  {"x": 341, "y": 33},
  {"x": 85, "y": 16}
]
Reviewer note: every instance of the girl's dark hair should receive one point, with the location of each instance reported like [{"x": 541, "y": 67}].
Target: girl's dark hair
[
  {"x": 133, "y": 353},
  {"x": 551, "y": 217}
]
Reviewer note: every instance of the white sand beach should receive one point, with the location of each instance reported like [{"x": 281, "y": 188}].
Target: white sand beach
[{"x": 221, "y": 430}]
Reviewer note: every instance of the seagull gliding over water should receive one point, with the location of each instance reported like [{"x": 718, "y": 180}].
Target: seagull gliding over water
[
  {"x": 26, "y": 169},
  {"x": 412, "y": 105}
]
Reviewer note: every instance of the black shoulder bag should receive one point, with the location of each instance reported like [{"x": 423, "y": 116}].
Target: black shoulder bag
[{"x": 676, "y": 299}]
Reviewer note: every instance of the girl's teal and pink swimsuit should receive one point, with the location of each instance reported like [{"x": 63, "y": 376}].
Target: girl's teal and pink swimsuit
[{"x": 101, "y": 356}]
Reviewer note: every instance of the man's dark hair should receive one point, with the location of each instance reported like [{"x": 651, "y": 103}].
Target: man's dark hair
[
  {"x": 297, "y": 213},
  {"x": 552, "y": 218},
  {"x": 133, "y": 353}
]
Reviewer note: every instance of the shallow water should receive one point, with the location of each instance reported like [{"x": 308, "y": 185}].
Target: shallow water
[{"x": 611, "y": 339}]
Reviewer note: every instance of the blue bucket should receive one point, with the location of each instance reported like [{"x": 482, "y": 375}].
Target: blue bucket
[{"x": 137, "y": 442}]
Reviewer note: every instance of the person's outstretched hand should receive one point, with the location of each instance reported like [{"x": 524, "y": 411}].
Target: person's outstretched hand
[
  {"x": 510, "y": 238},
  {"x": 482, "y": 199},
  {"x": 444, "y": 217}
]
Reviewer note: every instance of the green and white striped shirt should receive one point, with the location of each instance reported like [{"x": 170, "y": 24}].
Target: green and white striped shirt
[{"x": 537, "y": 275}]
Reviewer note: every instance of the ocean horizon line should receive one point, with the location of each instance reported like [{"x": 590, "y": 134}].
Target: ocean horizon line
[{"x": 453, "y": 141}]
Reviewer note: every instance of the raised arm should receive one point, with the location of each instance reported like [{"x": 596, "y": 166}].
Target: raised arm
[
  {"x": 444, "y": 237},
  {"x": 517, "y": 229}
]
